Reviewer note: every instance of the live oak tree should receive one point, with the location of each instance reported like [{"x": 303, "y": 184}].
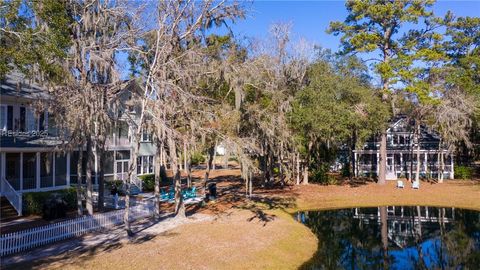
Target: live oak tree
[
  {"x": 172, "y": 63},
  {"x": 336, "y": 106}
]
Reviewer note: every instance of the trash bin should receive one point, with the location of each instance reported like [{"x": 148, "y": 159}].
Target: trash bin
[{"x": 212, "y": 191}]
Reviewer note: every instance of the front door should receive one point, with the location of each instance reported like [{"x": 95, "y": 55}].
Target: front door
[
  {"x": 122, "y": 169},
  {"x": 391, "y": 175}
]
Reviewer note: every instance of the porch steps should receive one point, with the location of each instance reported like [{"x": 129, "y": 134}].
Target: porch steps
[{"x": 7, "y": 212}]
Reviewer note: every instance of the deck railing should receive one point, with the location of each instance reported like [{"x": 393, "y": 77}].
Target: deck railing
[
  {"x": 28, "y": 239},
  {"x": 14, "y": 197}
]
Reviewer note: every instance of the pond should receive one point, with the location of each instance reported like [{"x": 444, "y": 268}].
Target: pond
[{"x": 394, "y": 237}]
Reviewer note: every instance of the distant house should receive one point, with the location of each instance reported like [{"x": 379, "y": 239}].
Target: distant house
[
  {"x": 31, "y": 157},
  {"x": 401, "y": 153}
]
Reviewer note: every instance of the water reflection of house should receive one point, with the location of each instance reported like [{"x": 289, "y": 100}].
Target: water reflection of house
[
  {"x": 401, "y": 153},
  {"x": 31, "y": 156},
  {"x": 408, "y": 223}
]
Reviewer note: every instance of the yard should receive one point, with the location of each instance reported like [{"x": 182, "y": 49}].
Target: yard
[{"x": 259, "y": 234}]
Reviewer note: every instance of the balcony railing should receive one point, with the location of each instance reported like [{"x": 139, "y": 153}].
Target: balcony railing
[{"x": 114, "y": 141}]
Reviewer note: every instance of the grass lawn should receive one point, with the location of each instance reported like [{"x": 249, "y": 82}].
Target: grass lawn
[{"x": 260, "y": 233}]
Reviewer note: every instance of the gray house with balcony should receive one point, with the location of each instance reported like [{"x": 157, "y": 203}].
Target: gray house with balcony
[
  {"x": 401, "y": 159},
  {"x": 31, "y": 156}
]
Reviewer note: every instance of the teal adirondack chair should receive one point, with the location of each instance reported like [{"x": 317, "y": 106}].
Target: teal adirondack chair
[{"x": 163, "y": 195}]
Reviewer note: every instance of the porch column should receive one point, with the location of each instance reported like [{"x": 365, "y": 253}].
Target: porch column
[
  {"x": 114, "y": 164},
  {"x": 2, "y": 161},
  {"x": 54, "y": 157},
  {"x": 2, "y": 169},
  {"x": 451, "y": 167},
  {"x": 425, "y": 166},
  {"x": 354, "y": 165},
  {"x": 37, "y": 167},
  {"x": 68, "y": 169},
  {"x": 401, "y": 163},
  {"x": 21, "y": 170},
  {"x": 378, "y": 163}
]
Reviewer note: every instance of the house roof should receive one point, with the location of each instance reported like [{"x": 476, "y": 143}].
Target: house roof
[{"x": 15, "y": 84}]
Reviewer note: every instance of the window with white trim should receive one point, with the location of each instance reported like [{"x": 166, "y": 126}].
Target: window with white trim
[
  {"x": 146, "y": 137},
  {"x": 144, "y": 165},
  {"x": 3, "y": 117}
]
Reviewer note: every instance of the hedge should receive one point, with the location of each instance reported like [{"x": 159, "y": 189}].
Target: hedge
[
  {"x": 33, "y": 201},
  {"x": 148, "y": 180},
  {"x": 463, "y": 172},
  {"x": 197, "y": 158}
]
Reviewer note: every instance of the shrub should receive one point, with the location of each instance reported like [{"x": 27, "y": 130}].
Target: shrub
[
  {"x": 321, "y": 175},
  {"x": 148, "y": 182},
  {"x": 197, "y": 158},
  {"x": 463, "y": 172},
  {"x": 115, "y": 183},
  {"x": 33, "y": 201}
]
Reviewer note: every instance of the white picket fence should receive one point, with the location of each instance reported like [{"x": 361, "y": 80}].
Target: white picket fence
[{"x": 27, "y": 239}]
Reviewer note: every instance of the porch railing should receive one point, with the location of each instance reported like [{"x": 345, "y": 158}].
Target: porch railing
[{"x": 14, "y": 197}]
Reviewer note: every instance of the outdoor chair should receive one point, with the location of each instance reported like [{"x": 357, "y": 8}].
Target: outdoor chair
[
  {"x": 193, "y": 192},
  {"x": 400, "y": 184},
  {"x": 163, "y": 195},
  {"x": 416, "y": 184}
]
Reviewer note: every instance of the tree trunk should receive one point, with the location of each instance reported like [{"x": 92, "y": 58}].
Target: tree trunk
[
  {"x": 158, "y": 168},
  {"x": 297, "y": 160},
  {"x": 128, "y": 182},
  {"x": 79, "y": 182},
  {"x": 382, "y": 169},
  {"x": 250, "y": 184},
  {"x": 417, "y": 172},
  {"x": 353, "y": 146},
  {"x": 101, "y": 179},
  {"x": 188, "y": 166},
  {"x": 90, "y": 158},
  {"x": 179, "y": 204},
  {"x": 305, "y": 174},
  {"x": 211, "y": 151},
  {"x": 280, "y": 165},
  {"x": 214, "y": 155}
]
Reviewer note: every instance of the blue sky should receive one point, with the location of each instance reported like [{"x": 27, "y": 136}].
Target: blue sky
[{"x": 310, "y": 19}]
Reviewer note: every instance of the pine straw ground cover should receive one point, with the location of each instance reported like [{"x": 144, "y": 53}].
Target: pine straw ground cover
[{"x": 260, "y": 233}]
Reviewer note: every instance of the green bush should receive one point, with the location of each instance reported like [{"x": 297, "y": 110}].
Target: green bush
[
  {"x": 115, "y": 183},
  {"x": 148, "y": 182},
  {"x": 33, "y": 201},
  {"x": 463, "y": 172},
  {"x": 321, "y": 175},
  {"x": 197, "y": 158}
]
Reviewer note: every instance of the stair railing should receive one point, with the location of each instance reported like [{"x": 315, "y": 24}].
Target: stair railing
[{"x": 14, "y": 197}]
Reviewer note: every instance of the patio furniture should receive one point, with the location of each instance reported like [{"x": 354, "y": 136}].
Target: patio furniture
[
  {"x": 400, "y": 184},
  {"x": 163, "y": 195},
  {"x": 416, "y": 184}
]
